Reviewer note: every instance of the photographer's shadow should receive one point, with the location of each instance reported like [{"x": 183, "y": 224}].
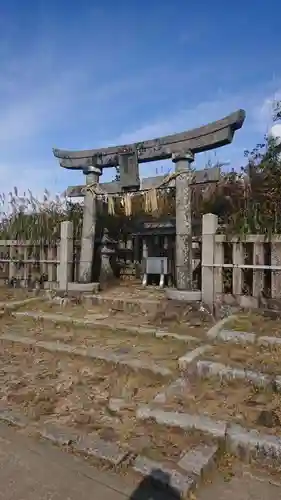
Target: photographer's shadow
[{"x": 156, "y": 486}]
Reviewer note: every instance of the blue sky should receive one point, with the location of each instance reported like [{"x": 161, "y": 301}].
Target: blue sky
[{"x": 87, "y": 74}]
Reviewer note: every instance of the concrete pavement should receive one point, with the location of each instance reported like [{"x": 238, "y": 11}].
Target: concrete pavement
[
  {"x": 35, "y": 470},
  {"x": 31, "y": 469}
]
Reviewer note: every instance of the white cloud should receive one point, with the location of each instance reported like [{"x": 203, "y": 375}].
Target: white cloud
[{"x": 262, "y": 112}]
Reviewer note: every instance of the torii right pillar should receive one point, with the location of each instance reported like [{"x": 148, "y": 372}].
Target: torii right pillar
[{"x": 183, "y": 252}]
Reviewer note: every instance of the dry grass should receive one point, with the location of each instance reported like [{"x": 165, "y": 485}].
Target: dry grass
[
  {"x": 266, "y": 359},
  {"x": 255, "y": 323}
]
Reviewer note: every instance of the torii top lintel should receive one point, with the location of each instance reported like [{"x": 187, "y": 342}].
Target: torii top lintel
[{"x": 213, "y": 135}]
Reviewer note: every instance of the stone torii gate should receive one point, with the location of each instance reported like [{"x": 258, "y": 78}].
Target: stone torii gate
[{"x": 181, "y": 148}]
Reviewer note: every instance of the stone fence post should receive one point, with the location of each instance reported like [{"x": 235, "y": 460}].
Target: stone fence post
[
  {"x": 65, "y": 255},
  {"x": 209, "y": 228}
]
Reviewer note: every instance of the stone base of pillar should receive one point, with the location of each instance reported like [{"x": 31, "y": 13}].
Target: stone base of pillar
[{"x": 183, "y": 295}]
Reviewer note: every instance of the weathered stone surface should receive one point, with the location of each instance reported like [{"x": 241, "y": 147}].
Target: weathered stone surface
[
  {"x": 167, "y": 478},
  {"x": 13, "y": 418},
  {"x": 277, "y": 383},
  {"x": 93, "y": 287},
  {"x": 211, "y": 174},
  {"x": 55, "y": 346},
  {"x": 176, "y": 388},
  {"x": 250, "y": 443},
  {"x": 268, "y": 418},
  {"x": 183, "y": 420},
  {"x": 100, "y": 449},
  {"x": 199, "y": 460},
  {"x": 183, "y": 295},
  {"x": 126, "y": 304},
  {"x": 59, "y": 435},
  {"x": 203, "y": 138},
  {"x": 237, "y": 337},
  {"x": 11, "y": 337},
  {"x": 89, "y": 226},
  {"x": 184, "y": 338},
  {"x": 190, "y": 356},
  {"x": 208, "y": 369},
  {"x": 213, "y": 332},
  {"x": 183, "y": 221},
  {"x": 116, "y": 404},
  {"x": 269, "y": 341},
  {"x": 136, "y": 364}
]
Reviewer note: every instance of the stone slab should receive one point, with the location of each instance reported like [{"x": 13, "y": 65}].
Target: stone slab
[
  {"x": 214, "y": 330},
  {"x": 13, "y": 418},
  {"x": 136, "y": 364},
  {"x": 127, "y": 304},
  {"x": 185, "y": 421},
  {"x": 11, "y": 337},
  {"x": 116, "y": 404},
  {"x": 159, "y": 334},
  {"x": 165, "y": 477},
  {"x": 183, "y": 295},
  {"x": 277, "y": 383},
  {"x": 200, "y": 460},
  {"x": 55, "y": 346},
  {"x": 251, "y": 443},
  {"x": 102, "y": 450},
  {"x": 56, "y": 318},
  {"x": 89, "y": 352},
  {"x": 176, "y": 388},
  {"x": 208, "y": 369},
  {"x": 269, "y": 341},
  {"x": 236, "y": 337},
  {"x": 83, "y": 287},
  {"x": 58, "y": 435},
  {"x": 190, "y": 356}
]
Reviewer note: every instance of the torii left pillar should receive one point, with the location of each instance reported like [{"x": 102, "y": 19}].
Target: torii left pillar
[
  {"x": 183, "y": 252},
  {"x": 92, "y": 174}
]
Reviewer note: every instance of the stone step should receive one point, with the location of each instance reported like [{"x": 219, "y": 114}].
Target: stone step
[
  {"x": 233, "y": 438},
  {"x": 95, "y": 353},
  {"x": 99, "y": 321},
  {"x": 126, "y": 303}
]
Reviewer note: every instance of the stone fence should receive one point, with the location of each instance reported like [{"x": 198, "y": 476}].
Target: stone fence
[
  {"x": 25, "y": 262},
  {"x": 244, "y": 271}
]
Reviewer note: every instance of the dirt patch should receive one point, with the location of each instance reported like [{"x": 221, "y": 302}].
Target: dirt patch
[
  {"x": 231, "y": 401},
  {"x": 266, "y": 359},
  {"x": 255, "y": 323},
  {"x": 164, "y": 351},
  {"x": 8, "y": 294}
]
